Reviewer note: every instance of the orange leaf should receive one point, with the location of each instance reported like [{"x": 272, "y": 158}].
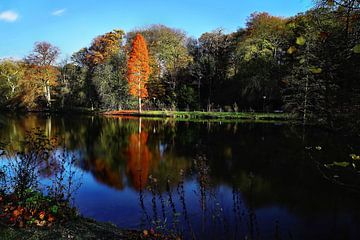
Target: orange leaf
[
  {"x": 16, "y": 213},
  {"x": 51, "y": 218},
  {"x": 42, "y": 215}
]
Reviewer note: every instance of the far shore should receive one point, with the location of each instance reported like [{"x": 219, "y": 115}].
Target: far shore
[
  {"x": 181, "y": 115},
  {"x": 204, "y": 115}
]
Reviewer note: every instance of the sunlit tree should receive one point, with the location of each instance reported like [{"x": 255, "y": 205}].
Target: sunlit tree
[
  {"x": 102, "y": 48},
  {"x": 168, "y": 56},
  {"x": 41, "y": 74},
  {"x": 138, "y": 68},
  {"x": 10, "y": 74}
]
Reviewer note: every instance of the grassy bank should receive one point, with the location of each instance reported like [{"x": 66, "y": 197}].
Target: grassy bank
[
  {"x": 82, "y": 228},
  {"x": 182, "y": 115},
  {"x": 206, "y": 115}
]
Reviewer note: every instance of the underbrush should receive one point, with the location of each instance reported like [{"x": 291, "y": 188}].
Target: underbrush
[{"x": 38, "y": 182}]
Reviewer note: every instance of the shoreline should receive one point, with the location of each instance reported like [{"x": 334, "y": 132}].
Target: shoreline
[
  {"x": 203, "y": 115},
  {"x": 79, "y": 228},
  {"x": 178, "y": 115}
]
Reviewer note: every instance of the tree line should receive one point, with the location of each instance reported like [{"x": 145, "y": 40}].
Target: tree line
[{"x": 307, "y": 64}]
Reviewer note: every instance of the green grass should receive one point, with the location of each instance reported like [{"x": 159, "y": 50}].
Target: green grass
[{"x": 209, "y": 115}]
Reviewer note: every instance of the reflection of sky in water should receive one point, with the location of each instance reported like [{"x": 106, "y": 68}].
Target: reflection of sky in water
[
  {"x": 162, "y": 148},
  {"x": 108, "y": 204},
  {"x": 123, "y": 208}
]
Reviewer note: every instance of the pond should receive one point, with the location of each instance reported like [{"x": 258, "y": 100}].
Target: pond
[{"x": 204, "y": 179}]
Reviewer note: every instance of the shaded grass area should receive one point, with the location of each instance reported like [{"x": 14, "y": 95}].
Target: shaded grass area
[
  {"x": 206, "y": 115},
  {"x": 81, "y": 228}
]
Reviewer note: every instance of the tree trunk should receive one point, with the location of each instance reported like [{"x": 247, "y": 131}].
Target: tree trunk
[
  {"x": 139, "y": 104},
  {"x": 139, "y": 95},
  {"x": 305, "y": 117},
  {"x": 306, "y": 100},
  {"x": 47, "y": 94}
]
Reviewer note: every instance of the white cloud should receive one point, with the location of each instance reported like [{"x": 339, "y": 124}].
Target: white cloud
[
  {"x": 58, "y": 12},
  {"x": 14, "y": 58},
  {"x": 8, "y": 16}
]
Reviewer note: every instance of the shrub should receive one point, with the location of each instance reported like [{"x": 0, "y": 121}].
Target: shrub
[{"x": 25, "y": 197}]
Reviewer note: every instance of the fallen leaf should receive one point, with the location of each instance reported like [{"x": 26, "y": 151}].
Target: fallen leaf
[
  {"x": 51, "y": 218},
  {"x": 42, "y": 215},
  {"x": 356, "y": 49},
  {"x": 300, "y": 40},
  {"x": 291, "y": 50}
]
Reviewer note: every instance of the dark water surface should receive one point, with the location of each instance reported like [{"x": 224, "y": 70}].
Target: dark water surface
[{"x": 205, "y": 180}]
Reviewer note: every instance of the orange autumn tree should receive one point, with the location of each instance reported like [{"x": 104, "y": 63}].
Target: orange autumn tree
[{"x": 138, "y": 68}]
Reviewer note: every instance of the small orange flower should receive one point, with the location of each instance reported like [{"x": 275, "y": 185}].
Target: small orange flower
[
  {"x": 42, "y": 215},
  {"x": 51, "y": 218},
  {"x": 16, "y": 213}
]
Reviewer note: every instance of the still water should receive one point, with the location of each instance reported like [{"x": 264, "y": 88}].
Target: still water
[{"x": 206, "y": 179}]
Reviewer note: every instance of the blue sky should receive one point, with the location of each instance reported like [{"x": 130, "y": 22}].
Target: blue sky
[{"x": 72, "y": 24}]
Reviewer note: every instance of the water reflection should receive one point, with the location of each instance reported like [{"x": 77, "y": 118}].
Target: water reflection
[
  {"x": 204, "y": 179},
  {"x": 138, "y": 158}
]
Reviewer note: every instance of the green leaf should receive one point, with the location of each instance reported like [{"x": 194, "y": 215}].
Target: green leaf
[
  {"x": 330, "y": 3},
  {"x": 302, "y": 61},
  {"x": 355, "y": 157},
  {"x": 54, "y": 209},
  {"x": 315, "y": 70},
  {"x": 291, "y": 50},
  {"x": 356, "y": 49},
  {"x": 341, "y": 164},
  {"x": 337, "y": 164},
  {"x": 291, "y": 25},
  {"x": 300, "y": 40}
]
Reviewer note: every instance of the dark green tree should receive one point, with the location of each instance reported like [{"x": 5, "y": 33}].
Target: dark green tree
[{"x": 110, "y": 81}]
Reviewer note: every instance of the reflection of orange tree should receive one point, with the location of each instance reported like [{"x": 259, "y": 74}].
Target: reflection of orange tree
[
  {"x": 139, "y": 159},
  {"x": 145, "y": 156},
  {"x": 104, "y": 155},
  {"x": 105, "y": 173}
]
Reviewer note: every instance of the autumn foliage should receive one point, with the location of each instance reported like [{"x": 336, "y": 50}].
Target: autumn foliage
[
  {"x": 104, "y": 173},
  {"x": 41, "y": 76},
  {"x": 102, "y": 47},
  {"x": 138, "y": 68},
  {"x": 25, "y": 200},
  {"x": 37, "y": 84}
]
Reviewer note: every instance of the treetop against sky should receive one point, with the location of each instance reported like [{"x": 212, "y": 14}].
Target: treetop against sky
[{"x": 71, "y": 25}]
